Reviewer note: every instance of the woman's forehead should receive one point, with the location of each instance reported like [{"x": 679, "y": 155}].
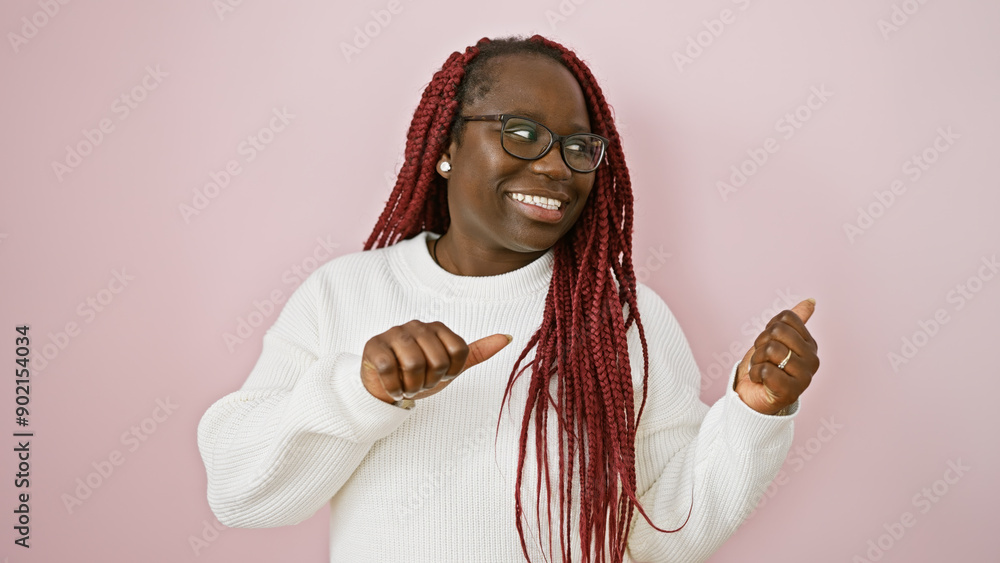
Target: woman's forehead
[{"x": 534, "y": 86}]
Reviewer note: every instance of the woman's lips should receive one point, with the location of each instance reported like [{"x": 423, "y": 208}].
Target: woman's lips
[{"x": 538, "y": 213}]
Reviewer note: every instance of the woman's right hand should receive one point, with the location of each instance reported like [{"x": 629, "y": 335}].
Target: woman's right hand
[{"x": 417, "y": 359}]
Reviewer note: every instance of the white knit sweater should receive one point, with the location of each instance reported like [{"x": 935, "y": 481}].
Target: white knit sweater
[{"x": 431, "y": 484}]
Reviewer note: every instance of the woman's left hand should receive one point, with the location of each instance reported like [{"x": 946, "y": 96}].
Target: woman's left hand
[{"x": 760, "y": 383}]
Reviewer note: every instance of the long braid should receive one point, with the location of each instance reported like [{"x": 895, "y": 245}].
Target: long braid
[
  {"x": 618, "y": 240},
  {"x": 581, "y": 342},
  {"x": 419, "y": 199}
]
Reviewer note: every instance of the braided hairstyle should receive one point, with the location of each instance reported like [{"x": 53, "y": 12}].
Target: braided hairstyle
[{"x": 582, "y": 336}]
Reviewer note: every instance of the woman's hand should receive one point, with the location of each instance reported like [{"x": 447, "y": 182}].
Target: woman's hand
[
  {"x": 416, "y": 360},
  {"x": 760, "y": 383}
]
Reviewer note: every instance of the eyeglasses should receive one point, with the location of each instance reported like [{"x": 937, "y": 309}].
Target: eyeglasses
[{"x": 530, "y": 140}]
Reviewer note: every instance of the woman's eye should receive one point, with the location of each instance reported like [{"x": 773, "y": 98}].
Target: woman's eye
[
  {"x": 575, "y": 146},
  {"x": 523, "y": 134}
]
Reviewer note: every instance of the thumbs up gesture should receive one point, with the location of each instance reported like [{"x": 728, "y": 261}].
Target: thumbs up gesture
[
  {"x": 417, "y": 359},
  {"x": 781, "y": 363}
]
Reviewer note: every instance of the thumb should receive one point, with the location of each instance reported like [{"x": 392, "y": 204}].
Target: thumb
[
  {"x": 805, "y": 309},
  {"x": 484, "y": 349}
]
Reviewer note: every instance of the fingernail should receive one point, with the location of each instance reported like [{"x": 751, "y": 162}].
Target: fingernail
[
  {"x": 811, "y": 300},
  {"x": 509, "y": 338}
]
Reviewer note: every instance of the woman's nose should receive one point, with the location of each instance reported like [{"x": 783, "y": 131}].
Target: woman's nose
[{"x": 552, "y": 164}]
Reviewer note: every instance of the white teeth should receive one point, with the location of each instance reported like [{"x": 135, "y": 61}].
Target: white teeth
[{"x": 545, "y": 202}]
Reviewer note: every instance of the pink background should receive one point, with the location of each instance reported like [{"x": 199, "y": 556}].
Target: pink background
[{"x": 718, "y": 263}]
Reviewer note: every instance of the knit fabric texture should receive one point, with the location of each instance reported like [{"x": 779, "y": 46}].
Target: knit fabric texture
[{"x": 435, "y": 483}]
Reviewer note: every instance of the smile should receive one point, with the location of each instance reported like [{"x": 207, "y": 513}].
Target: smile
[{"x": 538, "y": 201}]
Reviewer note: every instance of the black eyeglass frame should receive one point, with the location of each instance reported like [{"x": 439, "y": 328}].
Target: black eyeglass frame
[{"x": 553, "y": 139}]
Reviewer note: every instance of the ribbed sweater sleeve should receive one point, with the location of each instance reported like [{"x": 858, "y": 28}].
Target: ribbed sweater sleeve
[
  {"x": 279, "y": 448},
  {"x": 713, "y": 462}
]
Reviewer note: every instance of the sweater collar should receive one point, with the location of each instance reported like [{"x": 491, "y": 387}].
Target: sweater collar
[{"x": 420, "y": 269}]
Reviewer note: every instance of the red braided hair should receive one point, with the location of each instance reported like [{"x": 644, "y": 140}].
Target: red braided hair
[{"x": 582, "y": 335}]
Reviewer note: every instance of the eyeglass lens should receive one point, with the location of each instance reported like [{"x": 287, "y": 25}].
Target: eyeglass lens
[{"x": 528, "y": 139}]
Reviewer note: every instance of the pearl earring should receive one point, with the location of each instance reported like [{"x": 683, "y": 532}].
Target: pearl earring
[{"x": 446, "y": 166}]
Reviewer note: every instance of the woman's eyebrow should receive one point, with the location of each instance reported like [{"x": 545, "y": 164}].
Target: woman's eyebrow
[{"x": 576, "y": 127}]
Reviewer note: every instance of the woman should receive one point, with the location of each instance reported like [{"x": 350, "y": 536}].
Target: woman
[{"x": 510, "y": 222}]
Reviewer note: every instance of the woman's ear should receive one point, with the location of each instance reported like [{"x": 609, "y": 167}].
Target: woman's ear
[{"x": 444, "y": 165}]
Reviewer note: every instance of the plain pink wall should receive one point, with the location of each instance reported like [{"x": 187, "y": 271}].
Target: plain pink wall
[{"x": 209, "y": 79}]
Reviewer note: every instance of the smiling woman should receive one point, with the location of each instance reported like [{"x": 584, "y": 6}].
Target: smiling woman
[
  {"x": 512, "y": 215},
  {"x": 496, "y": 226}
]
